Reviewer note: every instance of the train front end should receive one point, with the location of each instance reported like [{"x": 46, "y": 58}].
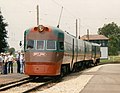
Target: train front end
[{"x": 43, "y": 51}]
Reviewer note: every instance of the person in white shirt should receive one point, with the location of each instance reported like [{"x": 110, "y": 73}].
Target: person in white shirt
[
  {"x": 21, "y": 63},
  {"x": 10, "y": 63},
  {"x": 18, "y": 61}
]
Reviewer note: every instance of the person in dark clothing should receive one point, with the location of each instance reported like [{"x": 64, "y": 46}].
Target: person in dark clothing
[
  {"x": 18, "y": 62},
  {"x": 1, "y": 63},
  {"x": 5, "y": 63}
]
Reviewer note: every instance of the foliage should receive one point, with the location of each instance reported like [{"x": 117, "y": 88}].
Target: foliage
[
  {"x": 111, "y": 59},
  {"x": 112, "y": 31},
  {"x": 3, "y": 34},
  {"x": 11, "y": 50}
]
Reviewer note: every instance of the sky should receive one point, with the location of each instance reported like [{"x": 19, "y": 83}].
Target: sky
[{"x": 91, "y": 14}]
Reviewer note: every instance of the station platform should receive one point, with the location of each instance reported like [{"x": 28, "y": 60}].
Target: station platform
[
  {"x": 11, "y": 77},
  {"x": 105, "y": 80},
  {"x": 7, "y": 78}
]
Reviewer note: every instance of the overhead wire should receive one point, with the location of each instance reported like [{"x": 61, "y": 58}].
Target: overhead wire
[
  {"x": 70, "y": 14},
  {"x": 65, "y": 9}
]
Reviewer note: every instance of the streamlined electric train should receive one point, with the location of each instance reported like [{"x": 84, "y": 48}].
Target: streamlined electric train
[{"x": 50, "y": 51}]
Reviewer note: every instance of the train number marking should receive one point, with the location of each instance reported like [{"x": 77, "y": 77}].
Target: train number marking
[{"x": 39, "y": 54}]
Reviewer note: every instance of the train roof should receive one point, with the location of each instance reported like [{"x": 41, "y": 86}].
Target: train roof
[
  {"x": 54, "y": 29},
  {"x": 94, "y": 37}
]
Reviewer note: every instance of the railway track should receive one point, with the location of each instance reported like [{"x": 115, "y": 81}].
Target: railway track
[
  {"x": 27, "y": 85},
  {"x": 7, "y": 86}
]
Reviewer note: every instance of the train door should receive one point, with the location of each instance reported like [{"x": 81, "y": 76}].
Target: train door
[
  {"x": 76, "y": 51},
  {"x": 72, "y": 62},
  {"x": 93, "y": 51},
  {"x": 85, "y": 50}
]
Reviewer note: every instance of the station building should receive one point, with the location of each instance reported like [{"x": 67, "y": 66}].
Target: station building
[{"x": 99, "y": 39}]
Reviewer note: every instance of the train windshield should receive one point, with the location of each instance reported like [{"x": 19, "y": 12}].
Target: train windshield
[
  {"x": 40, "y": 45},
  {"x": 30, "y": 44},
  {"x": 51, "y": 45}
]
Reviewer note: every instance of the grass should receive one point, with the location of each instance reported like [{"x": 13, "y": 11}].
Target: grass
[{"x": 111, "y": 59}]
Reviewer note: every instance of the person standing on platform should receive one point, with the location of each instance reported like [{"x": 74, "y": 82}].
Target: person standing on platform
[
  {"x": 3, "y": 56},
  {"x": 10, "y": 63},
  {"x": 18, "y": 62},
  {"x": 1, "y": 63},
  {"x": 5, "y": 63},
  {"x": 21, "y": 63}
]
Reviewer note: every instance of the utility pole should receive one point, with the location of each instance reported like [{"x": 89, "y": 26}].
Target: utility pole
[
  {"x": 37, "y": 14},
  {"x": 88, "y": 34},
  {"x": 0, "y": 10},
  {"x": 76, "y": 28},
  {"x": 79, "y": 27},
  {"x": 77, "y": 37}
]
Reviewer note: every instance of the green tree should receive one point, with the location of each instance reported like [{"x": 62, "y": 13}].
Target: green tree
[
  {"x": 11, "y": 50},
  {"x": 3, "y": 34},
  {"x": 112, "y": 31}
]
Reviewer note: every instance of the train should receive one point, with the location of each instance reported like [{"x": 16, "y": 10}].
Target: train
[{"x": 50, "y": 51}]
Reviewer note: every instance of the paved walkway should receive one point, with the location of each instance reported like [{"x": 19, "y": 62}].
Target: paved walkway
[{"x": 105, "y": 80}]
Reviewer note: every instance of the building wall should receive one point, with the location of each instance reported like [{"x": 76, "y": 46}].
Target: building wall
[{"x": 104, "y": 52}]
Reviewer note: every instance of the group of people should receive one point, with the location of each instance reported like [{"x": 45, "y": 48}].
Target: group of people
[{"x": 7, "y": 60}]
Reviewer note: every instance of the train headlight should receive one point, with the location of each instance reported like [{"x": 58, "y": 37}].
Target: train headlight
[{"x": 41, "y": 28}]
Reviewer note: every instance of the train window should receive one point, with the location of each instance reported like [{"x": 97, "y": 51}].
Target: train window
[
  {"x": 51, "y": 45},
  {"x": 40, "y": 45},
  {"x": 61, "y": 46}
]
